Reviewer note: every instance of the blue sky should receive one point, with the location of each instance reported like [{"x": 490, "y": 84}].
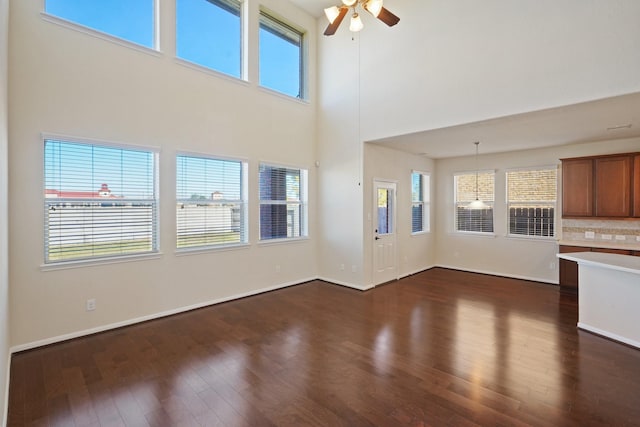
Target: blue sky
[{"x": 206, "y": 34}]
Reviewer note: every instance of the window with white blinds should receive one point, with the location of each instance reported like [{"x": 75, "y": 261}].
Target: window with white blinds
[
  {"x": 283, "y": 202},
  {"x": 420, "y": 202},
  {"x": 531, "y": 201},
  {"x": 211, "y": 202},
  {"x": 209, "y": 33},
  {"x": 469, "y": 187},
  {"x": 100, "y": 201}
]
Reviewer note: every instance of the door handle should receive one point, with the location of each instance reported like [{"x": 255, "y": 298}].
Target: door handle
[{"x": 377, "y": 238}]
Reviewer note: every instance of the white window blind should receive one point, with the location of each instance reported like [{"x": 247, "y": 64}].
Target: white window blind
[
  {"x": 474, "y": 220},
  {"x": 531, "y": 201},
  {"x": 281, "y": 56},
  {"x": 100, "y": 201},
  {"x": 211, "y": 207},
  {"x": 420, "y": 186},
  {"x": 209, "y": 33},
  {"x": 283, "y": 202}
]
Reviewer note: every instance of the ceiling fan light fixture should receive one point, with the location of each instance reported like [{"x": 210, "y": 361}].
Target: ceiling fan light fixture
[
  {"x": 332, "y": 13},
  {"x": 349, "y": 3},
  {"x": 356, "y": 23},
  {"x": 374, "y": 7}
]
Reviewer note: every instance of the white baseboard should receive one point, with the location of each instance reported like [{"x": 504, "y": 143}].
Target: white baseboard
[
  {"x": 85, "y": 332},
  {"x": 496, "y": 273},
  {"x": 346, "y": 284},
  {"x": 411, "y": 273},
  {"x": 609, "y": 335}
]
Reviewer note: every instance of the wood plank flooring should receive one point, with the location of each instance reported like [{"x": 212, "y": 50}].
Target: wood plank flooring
[{"x": 438, "y": 348}]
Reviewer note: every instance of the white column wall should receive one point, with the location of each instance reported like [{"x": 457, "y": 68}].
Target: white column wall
[
  {"x": 4, "y": 224},
  {"x": 65, "y": 82}
]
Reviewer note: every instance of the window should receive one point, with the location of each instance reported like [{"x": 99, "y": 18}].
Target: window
[
  {"x": 211, "y": 206},
  {"x": 531, "y": 201},
  {"x": 281, "y": 57},
  {"x": 100, "y": 201},
  {"x": 419, "y": 202},
  {"x": 131, "y": 20},
  {"x": 474, "y": 220},
  {"x": 283, "y": 202},
  {"x": 209, "y": 33}
]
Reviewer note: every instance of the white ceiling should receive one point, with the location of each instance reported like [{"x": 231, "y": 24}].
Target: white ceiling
[{"x": 572, "y": 124}]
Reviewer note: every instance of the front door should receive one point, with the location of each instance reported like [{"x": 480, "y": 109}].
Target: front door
[{"x": 384, "y": 233}]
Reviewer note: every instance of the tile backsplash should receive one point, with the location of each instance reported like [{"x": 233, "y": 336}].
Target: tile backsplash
[{"x": 609, "y": 232}]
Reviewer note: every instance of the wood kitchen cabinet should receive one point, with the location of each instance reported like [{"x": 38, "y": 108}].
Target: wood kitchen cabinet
[
  {"x": 601, "y": 186},
  {"x": 613, "y": 186},
  {"x": 577, "y": 187}
]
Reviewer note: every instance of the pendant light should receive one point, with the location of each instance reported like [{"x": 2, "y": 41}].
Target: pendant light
[{"x": 477, "y": 203}]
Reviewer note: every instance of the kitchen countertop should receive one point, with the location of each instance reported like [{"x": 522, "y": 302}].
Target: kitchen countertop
[
  {"x": 626, "y": 263},
  {"x": 634, "y": 246}
]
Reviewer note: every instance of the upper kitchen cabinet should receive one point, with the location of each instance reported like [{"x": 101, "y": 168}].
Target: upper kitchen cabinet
[
  {"x": 577, "y": 187},
  {"x": 613, "y": 186},
  {"x": 601, "y": 186}
]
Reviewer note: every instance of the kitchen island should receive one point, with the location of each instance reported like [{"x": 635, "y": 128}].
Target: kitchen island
[{"x": 609, "y": 295}]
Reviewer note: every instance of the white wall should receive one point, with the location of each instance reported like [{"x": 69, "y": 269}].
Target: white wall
[
  {"x": 501, "y": 255},
  {"x": 4, "y": 228},
  {"x": 415, "y": 252},
  {"x": 66, "y": 82},
  {"x": 449, "y": 63}
]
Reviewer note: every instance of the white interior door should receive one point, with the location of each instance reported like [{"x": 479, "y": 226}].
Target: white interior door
[{"x": 384, "y": 233}]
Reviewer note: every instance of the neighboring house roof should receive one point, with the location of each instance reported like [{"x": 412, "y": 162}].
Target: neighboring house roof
[{"x": 103, "y": 193}]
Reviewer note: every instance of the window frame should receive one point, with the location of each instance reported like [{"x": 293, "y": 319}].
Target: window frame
[
  {"x": 285, "y": 26},
  {"x": 244, "y": 214},
  {"x": 303, "y": 203},
  {"x": 457, "y": 204},
  {"x": 155, "y": 251},
  {"x": 242, "y": 74},
  {"x": 553, "y": 205},
  {"x": 425, "y": 202},
  {"x": 154, "y": 49}
]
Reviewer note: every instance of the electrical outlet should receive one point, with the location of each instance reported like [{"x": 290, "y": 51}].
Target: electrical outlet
[
  {"x": 341, "y": 267},
  {"x": 606, "y": 237},
  {"x": 620, "y": 237},
  {"x": 552, "y": 265},
  {"x": 91, "y": 304},
  {"x": 354, "y": 268},
  {"x": 589, "y": 235},
  {"x": 277, "y": 268}
]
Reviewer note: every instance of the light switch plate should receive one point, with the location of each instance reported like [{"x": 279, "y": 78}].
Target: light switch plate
[
  {"x": 606, "y": 237},
  {"x": 589, "y": 235}
]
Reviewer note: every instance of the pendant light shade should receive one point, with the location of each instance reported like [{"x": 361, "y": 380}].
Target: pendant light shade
[
  {"x": 374, "y": 7},
  {"x": 349, "y": 3},
  {"x": 477, "y": 203},
  {"x": 332, "y": 13},
  {"x": 356, "y": 23}
]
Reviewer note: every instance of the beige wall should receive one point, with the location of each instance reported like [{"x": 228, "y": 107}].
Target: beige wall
[
  {"x": 499, "y": 254},
  {"x": 4, "y": 254},
  {"x": 66, "y": 82}
]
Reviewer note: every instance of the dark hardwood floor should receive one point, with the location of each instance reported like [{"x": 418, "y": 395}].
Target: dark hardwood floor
[{"x": 435, "y": 349}]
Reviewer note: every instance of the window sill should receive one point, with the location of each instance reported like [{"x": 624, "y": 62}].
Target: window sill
[
  {"x": 65, "y": 265},
  {"x": 99, "y": 34},
  {"x": 302, "y": 101},
  {"x": 474, "y": 234},
  {"x": 420, "y": 233},
  {"x": 541, "y": 239},
  {"x": 283, "y": 241},
  {"x": 210, "y": 249},
  {"x": 210, "y": 71}
]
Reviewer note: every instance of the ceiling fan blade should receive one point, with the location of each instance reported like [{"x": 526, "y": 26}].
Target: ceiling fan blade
[
  {"x": 333, "y": 27},
  {"x": 388, "y": 18}
]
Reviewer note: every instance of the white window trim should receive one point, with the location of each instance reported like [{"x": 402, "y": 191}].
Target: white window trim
[
  {"x": 245, "y": 177},
  {"x": 304, "y": 201},
  {"x": 555, "y": 205},
  {"x": 304, "y": 57},
  {"x": 154, "y": 51},
  {"x": 115, "y": 259},
  {"x": 492, "y": 204},
  {"x": 426, "y": 228}
]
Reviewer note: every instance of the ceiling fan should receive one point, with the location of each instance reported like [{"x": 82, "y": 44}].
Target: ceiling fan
[{"x": 335, "y": 15}]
